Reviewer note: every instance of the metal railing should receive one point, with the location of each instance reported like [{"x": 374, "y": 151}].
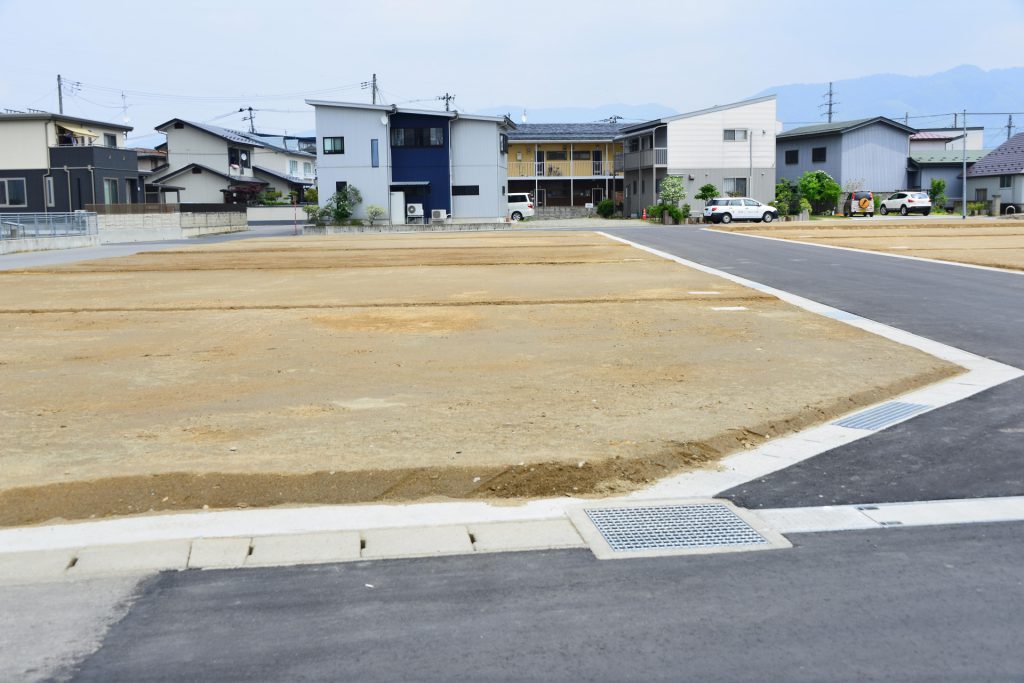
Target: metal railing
[
  {"x": 644, "y": 158},
  {"x": 577, "y": 168},
  {"x": 16, "y": 226}
]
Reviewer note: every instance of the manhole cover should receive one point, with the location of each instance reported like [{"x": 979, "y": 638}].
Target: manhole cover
[
  {"x": 882, "y": 416},
  {"x": 671, "y": 528}
]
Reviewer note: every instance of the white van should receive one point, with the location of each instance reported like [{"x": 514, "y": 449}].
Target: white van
[{"x": 520, "y": 205}]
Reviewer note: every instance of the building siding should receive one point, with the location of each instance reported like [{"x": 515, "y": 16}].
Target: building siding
[
  {"x": 832, "y": 165},
  {"x": 476, "y": 160},
  {"x": 358, "y": 127},
  {"x": 875, "y": 158},
  {"x": 418, "y": 164}
]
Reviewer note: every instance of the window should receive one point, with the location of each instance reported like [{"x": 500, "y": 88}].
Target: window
[
  {"x": 1005, "y": 181},
  {"x": 375, "y": 153},
  {"x": 465, "y": 190},
  {"x": 734, "y": 135},
  {"x": 736, "y": 186},
  {"x": 293, "y": 167},
  {"x": 110, "y": 140},
  {"x": 110, "y": 191},
  {"x": 334, "y": 145},
  {"x": 581, "y": 156},
  {"x": 12, "y": 192},
  {"x": 557, "y": 156},
  {"x": 417, "y": 137},
  {"x": 634, "y": 144},
  {"x": 818, "y": 155},
  {"x": 50, "y": 199},
  {"x": 792, "y": 156},
  {"x": 340, "y": 185},
  {"x": 981, "y": 194},
  {"x": 307, "y": 169},
  {"x": 239, "y": 157}
]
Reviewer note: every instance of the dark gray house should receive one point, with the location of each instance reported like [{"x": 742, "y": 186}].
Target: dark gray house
[
  {"x": 945, "y": 165},
  {"x": 51, "y": 162},
  {"x": 1000, "y": 173},
  {"x": 864, "y": 154}
]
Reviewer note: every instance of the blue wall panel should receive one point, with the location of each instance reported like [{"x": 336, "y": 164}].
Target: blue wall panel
[{"x": 417, "y": 164}]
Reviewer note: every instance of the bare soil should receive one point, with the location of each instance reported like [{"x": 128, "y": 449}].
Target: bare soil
[
  {"x": 996, "y": 243},
  {"x": 400, "y": 367}
]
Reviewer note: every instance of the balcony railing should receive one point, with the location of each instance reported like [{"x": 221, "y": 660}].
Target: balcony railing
[
  {"x": 644, "y": 158},
  {"x": 580, "y": 168}
]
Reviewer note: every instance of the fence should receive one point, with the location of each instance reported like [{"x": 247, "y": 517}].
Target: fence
[
  {"x": 16, "y": 226},
  {"x": 132, "y": 209}
]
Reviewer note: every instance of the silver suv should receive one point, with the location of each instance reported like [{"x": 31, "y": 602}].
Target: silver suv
[{"x": 729, "y": 209}]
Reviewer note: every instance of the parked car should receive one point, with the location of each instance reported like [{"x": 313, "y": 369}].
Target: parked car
[
  {"x": 520, "y": 205},
  {"x": 729, "y": 209},
  {"x": 861, "y": 202},
  {"x": 907, "y": 202}
]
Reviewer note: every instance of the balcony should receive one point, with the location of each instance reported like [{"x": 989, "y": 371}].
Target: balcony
[
  {"x": 645, "y": 158},
  {"x": 108, "y": 158},
  {"x": 581, "y": 168}
]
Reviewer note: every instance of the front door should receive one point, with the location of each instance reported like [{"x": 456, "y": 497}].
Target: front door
[
  {"x": 596, "y": 195},
  {"x": 540, "y": 162},
  {"x": 598, "y": 165}
]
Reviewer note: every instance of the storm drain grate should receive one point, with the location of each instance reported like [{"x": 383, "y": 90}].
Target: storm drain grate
[
  {"x": 882, "y": 416},
  {"x": 672, "y": 527}
]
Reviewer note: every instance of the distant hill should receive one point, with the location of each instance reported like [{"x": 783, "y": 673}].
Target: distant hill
[
  {"x": 629, "y": 113},
  {"x": 965, "y": 87}
]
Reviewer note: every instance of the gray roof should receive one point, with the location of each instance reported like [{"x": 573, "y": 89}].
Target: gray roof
[
  {"x": 283, "y": 176},
  {"x": 1006, "y": 159},
  {"x": 229, "y": 135},
  {"x": 690, "y": 114},
  {"x": 47, "y": 116},
  {"x": 947, "y": 157},
  {"x": 189, "y": 167},
  {"x": 839, "y": 127},
  {"x": 557, "y": 132}
]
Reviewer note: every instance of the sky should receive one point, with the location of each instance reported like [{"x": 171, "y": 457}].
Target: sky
[{"x": 203, "y": 61}]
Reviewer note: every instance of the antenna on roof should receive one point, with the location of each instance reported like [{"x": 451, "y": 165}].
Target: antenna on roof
[
  {"x": 614, "y": 118},
  {"x": 251, "y": 118},
  {"x": 448, "y": 101},
  {"x": 829, "y": 103}
]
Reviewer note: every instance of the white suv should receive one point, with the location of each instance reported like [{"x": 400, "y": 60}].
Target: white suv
[
  {"x": 729, "y": 209},
  {"x": 520, "y": 205},
  {"x": 907, "y": 202}
]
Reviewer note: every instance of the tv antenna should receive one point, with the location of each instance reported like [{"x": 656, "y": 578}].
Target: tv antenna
[
  {"x": 447, "y": 100},
  {"x": 251, "y": 118}
]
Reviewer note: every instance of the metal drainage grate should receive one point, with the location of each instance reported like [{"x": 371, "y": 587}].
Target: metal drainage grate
[
  {"x": 882, "y": 416},
  {"x": 673, "y": 527}
]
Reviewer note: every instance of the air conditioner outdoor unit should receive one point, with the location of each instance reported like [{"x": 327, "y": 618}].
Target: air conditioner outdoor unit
[
  {"x": 414, "y": 211},
  {"x": 438, "y": 215}
]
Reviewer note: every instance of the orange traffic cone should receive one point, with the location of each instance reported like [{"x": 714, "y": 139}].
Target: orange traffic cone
[{"x": 644, "y": 217}]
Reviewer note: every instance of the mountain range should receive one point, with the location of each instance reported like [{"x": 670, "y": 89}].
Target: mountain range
[{"x": 923, "y": 101}]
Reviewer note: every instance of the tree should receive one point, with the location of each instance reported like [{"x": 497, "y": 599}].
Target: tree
[
  {"x": 820, "y": 189},
  {"x": 373, "y": 212},
  {"x": 672, "y": 190},
  {"x": 706, "y": 192},
  {"x": 787, "y": 197},
  {"x": 337, "y": 209},
  {"x": 937, "y": 192}
]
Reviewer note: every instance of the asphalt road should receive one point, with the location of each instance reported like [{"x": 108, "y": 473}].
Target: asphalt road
[
  {"x": 971, "y": 449},
  {"x": 926, "y": 604}
]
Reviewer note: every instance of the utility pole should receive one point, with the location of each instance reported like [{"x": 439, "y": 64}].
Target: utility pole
[
  {"x": 372, "y": 85},
  {"x": 954, "y": 119},
  {"x": 251, "y": 118},
  {"x": 1009, "y": 127},
  {"x": 60, "y": 95},
  {"x": 906, "y": 118},
  {"x": 963, "y": 199},
  {"x": 447, "y": 100},
  {"x": 829, "y": 103}
]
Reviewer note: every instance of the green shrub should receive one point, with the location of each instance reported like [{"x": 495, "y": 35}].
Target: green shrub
[
  {"x": 706, "y": 192},
  {"x": 373, "y": 212},
  {"x": 820, "y": 189},
  {"x": 311, "y": 195},
  {"x": 605, "y": 208},
  {"x": 655, "y": 211}
]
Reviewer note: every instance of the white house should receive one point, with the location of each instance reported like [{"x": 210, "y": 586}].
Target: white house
[
  {"x": 415, "y": 164},
  {"x": 730, "y": 146}
]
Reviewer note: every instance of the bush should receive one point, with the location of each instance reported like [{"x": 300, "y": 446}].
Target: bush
[
  {"x": 337, "y": 209},
  {"x": 706, "y": 192},
  {"x": 311, "y": 195},
  {"x": 787, "y": 198},
  {"x": 655, "y": 211},
  {"x": 268, "y": 197},
  {"x": 373, "y": 212},
  {"x": 605, "y": 208},
  {"x": 937, "y": 192},
  {"x": 820, "y": 189}
]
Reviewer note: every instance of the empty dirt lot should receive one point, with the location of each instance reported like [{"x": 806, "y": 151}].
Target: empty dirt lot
[
  {"x": 996, "y": 243},
  {"x": 400, "y": 367}
]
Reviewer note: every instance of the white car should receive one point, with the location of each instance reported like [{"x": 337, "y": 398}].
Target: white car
[
  {"x": 907, "y": 202},
  {"x": 520, "y": 205},
  {"x": 729, "y": 209}
]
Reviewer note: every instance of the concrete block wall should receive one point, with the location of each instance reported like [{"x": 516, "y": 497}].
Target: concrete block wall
[{"x": 149, "y": 227}]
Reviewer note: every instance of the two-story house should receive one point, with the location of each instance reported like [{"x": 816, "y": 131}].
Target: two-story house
[
  {"x": 730, "y": 146},
  {"x": 863, "y": 154},
  {"x": 286, "y": 167},
  {"x": 210, "y": 164},
  {"x": 415, "y": 164},
  {"x": 1000, "y": 174},
  {"x": 565, "y": 164},
  {"x": 51, "y": 162}
]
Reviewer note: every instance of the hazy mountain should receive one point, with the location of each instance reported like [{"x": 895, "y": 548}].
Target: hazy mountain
[
  {"x": 928, "y": 100},
  {"x": 629, "y": 113}
]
